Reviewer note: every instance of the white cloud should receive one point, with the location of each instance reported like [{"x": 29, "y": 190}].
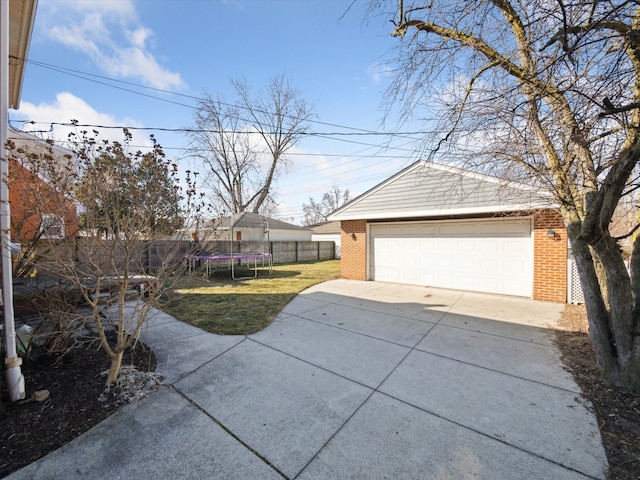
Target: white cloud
[
  {"x": 139, "y": 36},
  {"x": 379, "y": 72},
  {"x": 109, "y": 33},
  {"x": 67, "y": 107}
]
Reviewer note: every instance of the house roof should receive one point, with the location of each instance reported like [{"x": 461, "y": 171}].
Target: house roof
[
  {"x": 64, "y": 159},
  {"x": 22, "y": 13},
  {"x": 325, "y": 227},
  {"x": 37, "y": 144},
  {"x": 254, "y": 220},
  {"x": 428, "y": 189}
]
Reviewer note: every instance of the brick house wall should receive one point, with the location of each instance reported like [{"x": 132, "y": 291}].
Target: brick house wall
[
  {"x": 549, "y": 257},
  {"x": 353, "y": 240},
  {"x": 30, "y": 198}
]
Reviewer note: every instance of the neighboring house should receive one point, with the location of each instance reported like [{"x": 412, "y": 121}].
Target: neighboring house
[
  {"x": 327, "y": 232},
  {"x": 253, "y": 227},
  {"x": 440, "y": 226},
  {"x": 37, "y": 209}
]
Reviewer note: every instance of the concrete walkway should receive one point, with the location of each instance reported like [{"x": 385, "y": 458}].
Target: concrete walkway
[{"x": 359, "y": 380}]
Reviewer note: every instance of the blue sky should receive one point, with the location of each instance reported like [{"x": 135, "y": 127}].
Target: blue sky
[{"x": 332, "y": 52}]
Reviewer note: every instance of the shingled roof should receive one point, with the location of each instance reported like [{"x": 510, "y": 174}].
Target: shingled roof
[
  {"x": 254, "y": 220},
  {"x": 325, "y": 227}
]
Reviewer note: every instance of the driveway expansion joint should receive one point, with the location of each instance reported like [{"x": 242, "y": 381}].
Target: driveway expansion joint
[{"x": 230, "y": 433}]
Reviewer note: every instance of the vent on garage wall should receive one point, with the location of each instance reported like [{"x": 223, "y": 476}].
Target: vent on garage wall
[{"x": 574, "y": 289}]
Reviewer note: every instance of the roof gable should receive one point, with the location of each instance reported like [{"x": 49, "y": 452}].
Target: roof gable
[{"x": 431, "y": 189}]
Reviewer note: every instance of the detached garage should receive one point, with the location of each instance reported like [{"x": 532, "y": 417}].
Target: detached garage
[{"x": 440, "y": 226}]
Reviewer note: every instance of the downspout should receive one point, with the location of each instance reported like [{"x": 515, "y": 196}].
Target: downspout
[{"x": 15, "y": 379}]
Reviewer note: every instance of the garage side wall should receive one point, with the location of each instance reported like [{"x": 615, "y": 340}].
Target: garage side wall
[
  {"x": 353, "y": 239},
  {"x": 549, "y": 257}
]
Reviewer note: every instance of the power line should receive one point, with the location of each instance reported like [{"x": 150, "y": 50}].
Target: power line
[
  {"x": 359, "y": 155},
  {"x": 332, "y": 136},
  {"x": 336, "y": 136},
  {"x": 102, "y": 80},
  {"x": 325, "y": 135}
]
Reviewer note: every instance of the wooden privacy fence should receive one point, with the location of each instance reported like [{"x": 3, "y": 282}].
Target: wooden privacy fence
[
  {"x": 281, "y": 252},
  {"x": 149, "y": 256}
]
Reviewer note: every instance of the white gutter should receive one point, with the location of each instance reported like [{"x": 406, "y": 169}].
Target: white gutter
[
  {"x": 15, "y": 379},
  {"x": 402, "y": 214}
]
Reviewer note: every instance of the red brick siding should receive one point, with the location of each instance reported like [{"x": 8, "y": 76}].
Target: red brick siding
[
  {"x": 353, "y": 245},
  {"x": 30, "y": 198},
  {"x": 549, "y": 257}
]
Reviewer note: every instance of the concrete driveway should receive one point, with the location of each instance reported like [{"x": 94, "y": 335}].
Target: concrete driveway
[{"x": 359, "y": 380}]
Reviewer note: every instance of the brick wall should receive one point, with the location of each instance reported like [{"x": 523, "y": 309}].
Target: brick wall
[
  {"x": 32, "y": 198},
  {"x": 549, "y": 257},
  {"x": 353, "y": 258}
]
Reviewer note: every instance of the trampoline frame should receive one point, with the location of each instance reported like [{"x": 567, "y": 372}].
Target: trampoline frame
[{"x": 230, "y": 260}]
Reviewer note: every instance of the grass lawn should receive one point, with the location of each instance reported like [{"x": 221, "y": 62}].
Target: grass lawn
[{"x": 222, "y": 305}]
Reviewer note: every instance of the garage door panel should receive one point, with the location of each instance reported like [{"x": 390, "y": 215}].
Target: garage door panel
[
  {"x": 467, "y": 247},
  {"x": 514, "y": 248},
  {"x": 518, "y": 228},
  {"x": 458, "y": 230},
  {"x": 489, "y": 256}
]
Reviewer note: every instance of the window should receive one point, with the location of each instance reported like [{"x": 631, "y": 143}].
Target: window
[{"x": 52, "y": 226}]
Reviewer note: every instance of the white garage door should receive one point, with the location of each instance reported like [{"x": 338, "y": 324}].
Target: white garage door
[{"x": 494, "y": 256}]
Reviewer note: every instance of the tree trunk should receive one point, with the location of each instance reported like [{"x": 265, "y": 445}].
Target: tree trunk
[
  {"x": 596, "y": 310},
  {"x": 610, "y": 323},
  {"x": 114, "y": 368}
]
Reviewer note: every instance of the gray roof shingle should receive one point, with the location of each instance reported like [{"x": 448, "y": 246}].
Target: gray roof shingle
[{"x": 254, "y": 220}]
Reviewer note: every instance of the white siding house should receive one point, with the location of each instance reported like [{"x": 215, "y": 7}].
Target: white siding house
[
  {"x": 253, "y": 227},
  {"x": 327, "y": 232}
]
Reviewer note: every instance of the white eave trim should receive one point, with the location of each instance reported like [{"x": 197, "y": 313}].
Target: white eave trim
[{"x": 440, "y": 213}]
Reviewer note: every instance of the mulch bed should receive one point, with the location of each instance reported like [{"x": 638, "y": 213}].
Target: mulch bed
[
  {"x": 29, "y": 429},
  {"x": 617, "y": 411}
]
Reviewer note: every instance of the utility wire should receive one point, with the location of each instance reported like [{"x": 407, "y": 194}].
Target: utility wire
[
  {"x": 340, "y": 136},
  {"x": 103, "y": 80},
  {"x": 325, "y": 135},
  {"x": 333, "y": 136},
  {"x": 109, "y": 82}
]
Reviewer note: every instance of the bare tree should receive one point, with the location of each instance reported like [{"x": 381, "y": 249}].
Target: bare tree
[
  {"x": 132, "y": 206},
  {"x": 317, "y": 212},
  {"x": 550, "y": 90},
  {"x": 313, "y": 212},
  {"x": 243, "y": 146}
]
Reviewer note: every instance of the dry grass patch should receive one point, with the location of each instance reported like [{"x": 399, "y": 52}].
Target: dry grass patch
[{"x": 222, "y": 305}]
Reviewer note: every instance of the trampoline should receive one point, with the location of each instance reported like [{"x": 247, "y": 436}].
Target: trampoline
[{"x": 211, "y": 261}]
